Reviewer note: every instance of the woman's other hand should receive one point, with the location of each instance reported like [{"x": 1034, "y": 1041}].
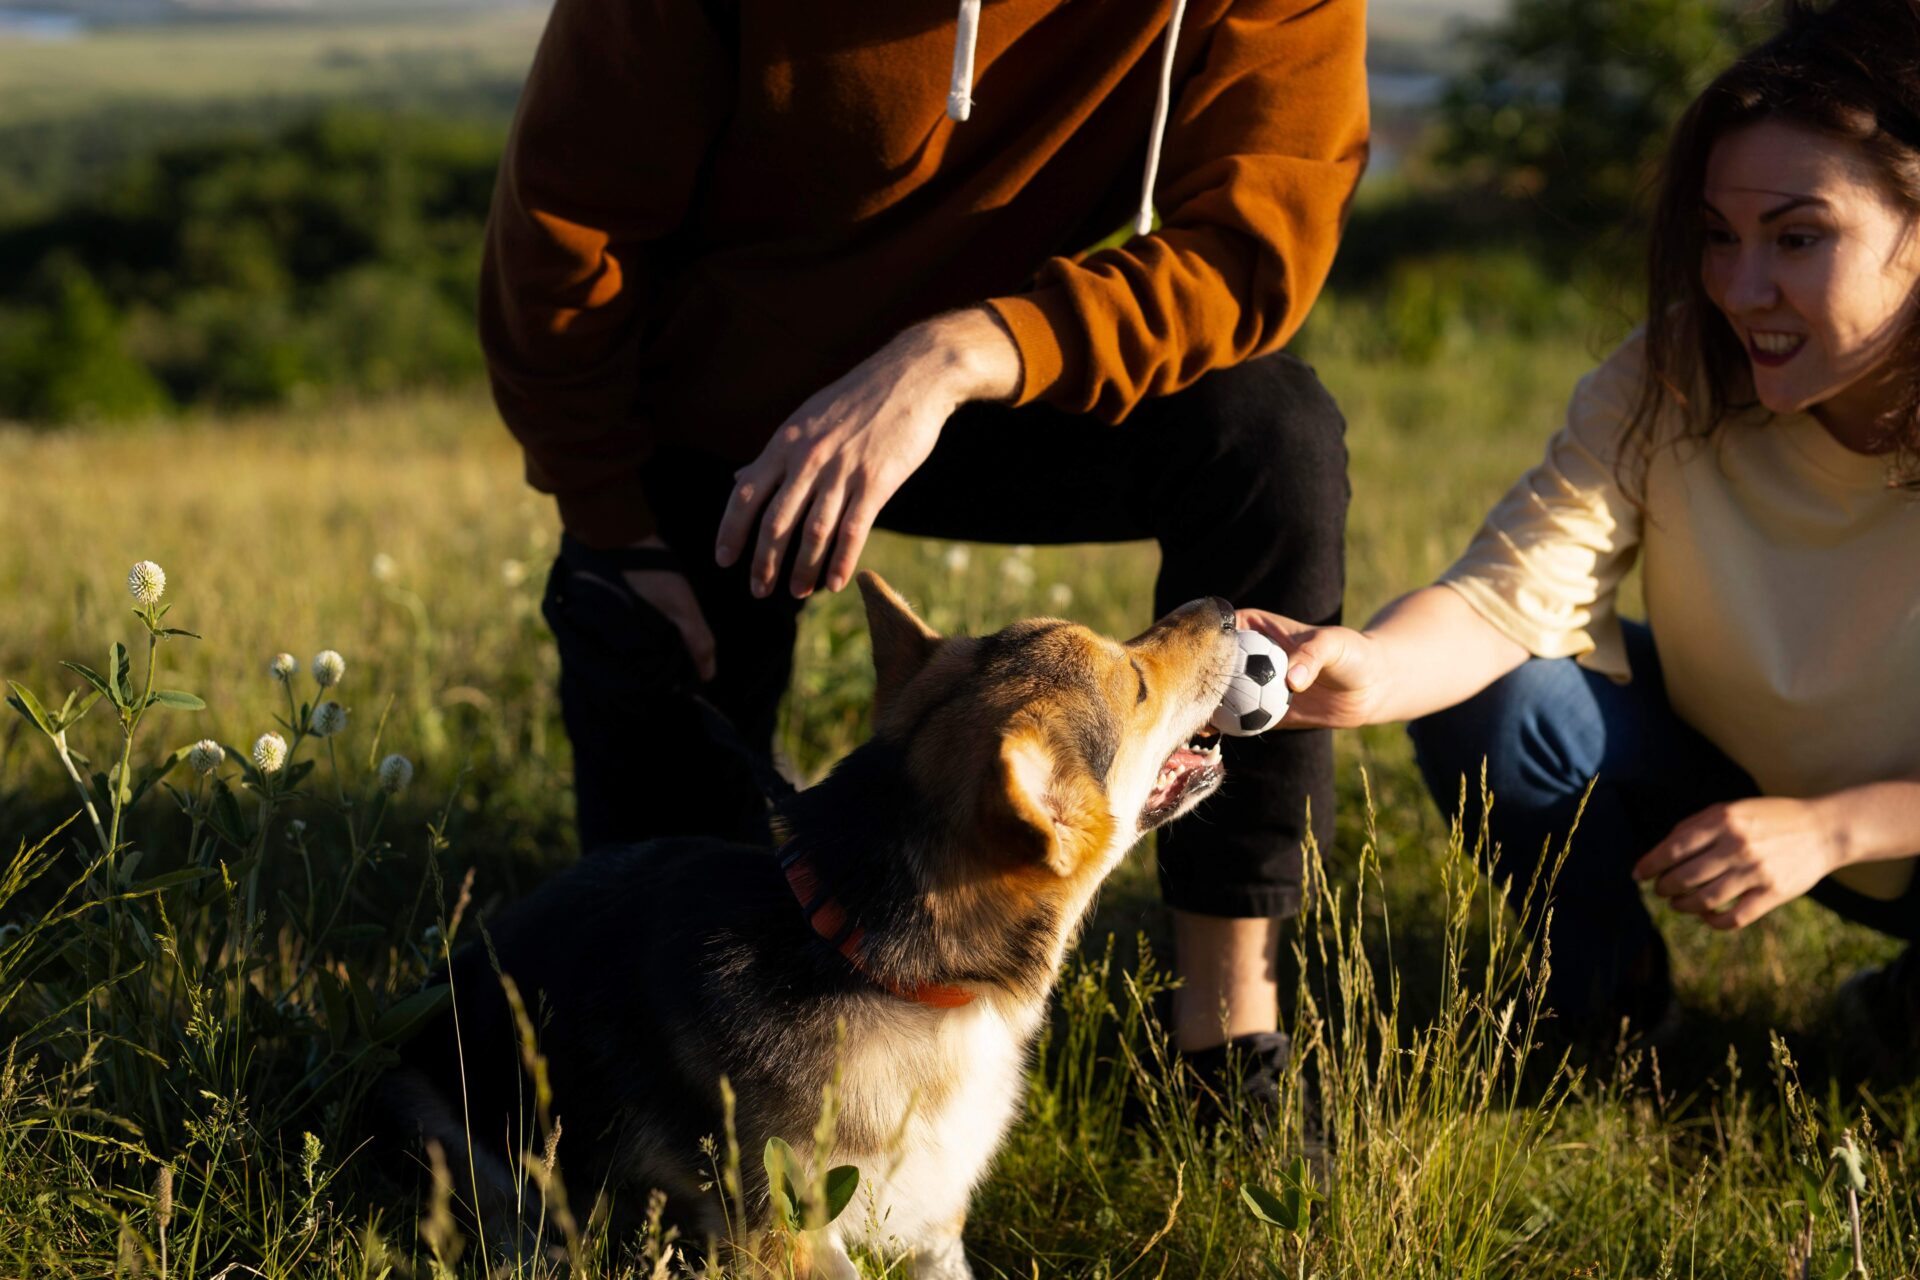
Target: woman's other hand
[{"x": 1732, "y": 863}]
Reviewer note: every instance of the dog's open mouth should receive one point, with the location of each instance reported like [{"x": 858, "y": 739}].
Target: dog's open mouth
[{"x": 1192, "y": 771}]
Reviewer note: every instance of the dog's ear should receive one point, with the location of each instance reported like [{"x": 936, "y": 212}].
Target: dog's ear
[
  {"x": 1041, "y": 812},
  {"x": 901, "y": 642}
]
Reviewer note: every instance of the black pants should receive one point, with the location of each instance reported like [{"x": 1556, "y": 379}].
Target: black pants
[{"x": 1241, "y": 479}]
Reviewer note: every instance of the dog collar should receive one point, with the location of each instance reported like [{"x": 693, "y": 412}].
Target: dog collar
[{"x": 832, "y": 922}]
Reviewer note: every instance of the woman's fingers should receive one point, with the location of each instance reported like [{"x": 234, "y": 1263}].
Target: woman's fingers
[
  {"x": 1688, "y": 838},
  {"x": 1313, "y": 653},
  {"x": 1744, "y": 912},
  {"x": 1280, "y": 629},
  {"x": 1715, "y": 859},
  {"x": 1717, "y": 893}
]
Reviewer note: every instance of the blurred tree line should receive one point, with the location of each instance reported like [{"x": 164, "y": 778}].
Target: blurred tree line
[
  {"x": 145, "y": 267},
  {"x": 247, "y": 267}
]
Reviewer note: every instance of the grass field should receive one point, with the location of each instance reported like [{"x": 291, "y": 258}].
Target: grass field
[
  {"x": 245, "y": 63},
  {"x": 154, "y": 1032}
]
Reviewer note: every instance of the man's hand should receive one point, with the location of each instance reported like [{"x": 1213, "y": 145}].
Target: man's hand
[
  {"x": 1338, "y": 677},
  {"x": 1732, "y": 863},
  {"x": 833, "y": 465},
  {"x": 672, "y": 595}
]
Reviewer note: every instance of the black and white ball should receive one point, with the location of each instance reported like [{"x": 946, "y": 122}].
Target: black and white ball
[{"x": 1256, "y": 695}]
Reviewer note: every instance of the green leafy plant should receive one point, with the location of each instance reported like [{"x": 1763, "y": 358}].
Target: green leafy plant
[{"x": 816, "y": 1206}]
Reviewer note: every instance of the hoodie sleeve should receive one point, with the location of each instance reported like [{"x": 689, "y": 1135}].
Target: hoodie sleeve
[
  {"x": 1264, "y": 147},
  {"x": 613, "y": 125}
]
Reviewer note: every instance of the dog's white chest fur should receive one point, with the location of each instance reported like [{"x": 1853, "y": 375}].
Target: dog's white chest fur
[{"x": 950, "y": 1096}]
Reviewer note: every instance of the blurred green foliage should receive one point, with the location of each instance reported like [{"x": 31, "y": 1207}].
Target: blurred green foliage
[
  {"x": 252, "y": 267},
  {"x": 1567, "y": 104}
]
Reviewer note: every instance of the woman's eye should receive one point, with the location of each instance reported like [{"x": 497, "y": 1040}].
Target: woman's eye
[
  {"x": 1721, "y": 236},
  {"x": 1798, "y": 240}
]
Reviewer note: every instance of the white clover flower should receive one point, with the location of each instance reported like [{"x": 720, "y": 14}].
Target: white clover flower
[
  {"x": 328, "y": 719},
  {"x": 513, "y": 572},
  {"x": 1017, "y": 572},
  {"x": 328, "y": 667},
  {"x": 270, "y": 752},
  {"x": 958, "y": 558},
  {"x": 396, "y": 771},
  {"x": 146, "y": 582},
  {"x": 283, "y": 666},
  {"x": 206, "y": 755},
  {"x": 384, "y": 567},
  {"x": 1060, "y": 597},
  {"x": 296, "y": 828}
]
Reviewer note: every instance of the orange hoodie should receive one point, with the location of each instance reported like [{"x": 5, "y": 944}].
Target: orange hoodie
[{"x": 710, "y": 209}]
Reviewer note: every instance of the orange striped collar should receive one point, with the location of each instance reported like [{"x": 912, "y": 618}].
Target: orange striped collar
[{"x": 832, "y": 922}]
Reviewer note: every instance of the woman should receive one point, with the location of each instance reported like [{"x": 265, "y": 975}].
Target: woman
[{"x": 1757, "y": 446}]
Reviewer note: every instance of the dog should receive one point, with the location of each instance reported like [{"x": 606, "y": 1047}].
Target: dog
[{"x": 904, "y": 937}]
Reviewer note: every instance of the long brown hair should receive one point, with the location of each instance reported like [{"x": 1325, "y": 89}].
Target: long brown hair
[{"x": 1850, "y": 70}]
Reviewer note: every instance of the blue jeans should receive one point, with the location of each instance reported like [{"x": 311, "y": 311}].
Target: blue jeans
[{"x": 1545, "y": 730}]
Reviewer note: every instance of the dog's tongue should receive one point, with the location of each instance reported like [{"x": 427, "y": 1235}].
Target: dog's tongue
[
  {"x": 1174, "y": 773},
  {"x": 1185, "y": 758}
]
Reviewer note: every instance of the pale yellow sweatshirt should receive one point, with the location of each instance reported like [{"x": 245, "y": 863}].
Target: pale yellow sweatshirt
[{"x": 1782, "y": 580}]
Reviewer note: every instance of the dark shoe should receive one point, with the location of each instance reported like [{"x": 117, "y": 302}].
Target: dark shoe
[
  {"x": 1239, "y": 1083},
  {"x": 1241, "y": 1075},
  {"x": 1879, "y": 1015}
]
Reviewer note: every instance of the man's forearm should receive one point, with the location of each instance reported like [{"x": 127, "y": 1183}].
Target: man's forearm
[{"x": 972, "y": 354}]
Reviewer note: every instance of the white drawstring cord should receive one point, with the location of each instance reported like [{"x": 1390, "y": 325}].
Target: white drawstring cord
[
  {"x": 960, "y": 91},
  {"x": 1144, "y": 222}
]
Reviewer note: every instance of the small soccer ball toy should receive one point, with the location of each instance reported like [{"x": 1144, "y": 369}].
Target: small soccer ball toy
[{"x": 1256, "y": 695}]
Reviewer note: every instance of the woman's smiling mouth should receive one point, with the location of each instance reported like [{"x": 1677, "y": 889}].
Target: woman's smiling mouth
[{"x": 1772, "y": 348}]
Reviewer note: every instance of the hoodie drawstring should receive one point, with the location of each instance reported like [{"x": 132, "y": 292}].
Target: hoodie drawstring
[
  {"x": 960, "y": 93},
  {"x": 960, "y": 89},
  {"x": 1143, "y": 222}
]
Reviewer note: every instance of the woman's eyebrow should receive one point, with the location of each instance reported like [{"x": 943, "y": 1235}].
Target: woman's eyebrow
[
  {"x": 1797, "y": 202},
  {"x": 1777, "y": 211}
]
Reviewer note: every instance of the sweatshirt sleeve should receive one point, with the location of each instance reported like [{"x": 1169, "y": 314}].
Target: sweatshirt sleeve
[
  {"x": 613, "y": 125},
  {"x": 1546, "y": 565},
  {"x": 1265, "y": 144}
]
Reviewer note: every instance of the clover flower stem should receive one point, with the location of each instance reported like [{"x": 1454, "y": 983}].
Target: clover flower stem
[
  {"x": 371, "y": 837},
  {"x": 313, "y": 896},
  {"x": 259, "y": 851},
  {"x": 346, "y": 806},
  {"x": 197, "y": 819},
  {"x": 129, "y": 726},
  {"x": 1853, "y": 1221},
  {"x": 86, "y": 798},
  {"x": 340, "y": 896}
]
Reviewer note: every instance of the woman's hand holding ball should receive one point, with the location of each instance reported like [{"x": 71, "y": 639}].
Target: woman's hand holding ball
[{"x": 1337, "y": 675}]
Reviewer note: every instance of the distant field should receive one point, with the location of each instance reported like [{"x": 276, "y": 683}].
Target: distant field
[{"x": 208, "y": 64}]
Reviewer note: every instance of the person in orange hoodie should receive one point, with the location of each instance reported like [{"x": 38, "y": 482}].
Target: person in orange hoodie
[{"x": 761, "y": 277}]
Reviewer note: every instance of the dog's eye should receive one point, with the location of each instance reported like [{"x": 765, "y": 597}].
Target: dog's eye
[{"x": 1143, "y": 682}]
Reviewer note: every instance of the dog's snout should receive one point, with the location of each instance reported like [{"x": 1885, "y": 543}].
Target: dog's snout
[{"x": 1229, "y": 620}]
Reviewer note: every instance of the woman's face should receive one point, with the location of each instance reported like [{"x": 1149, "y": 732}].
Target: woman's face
[{"x": 1813, "y": 264}]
